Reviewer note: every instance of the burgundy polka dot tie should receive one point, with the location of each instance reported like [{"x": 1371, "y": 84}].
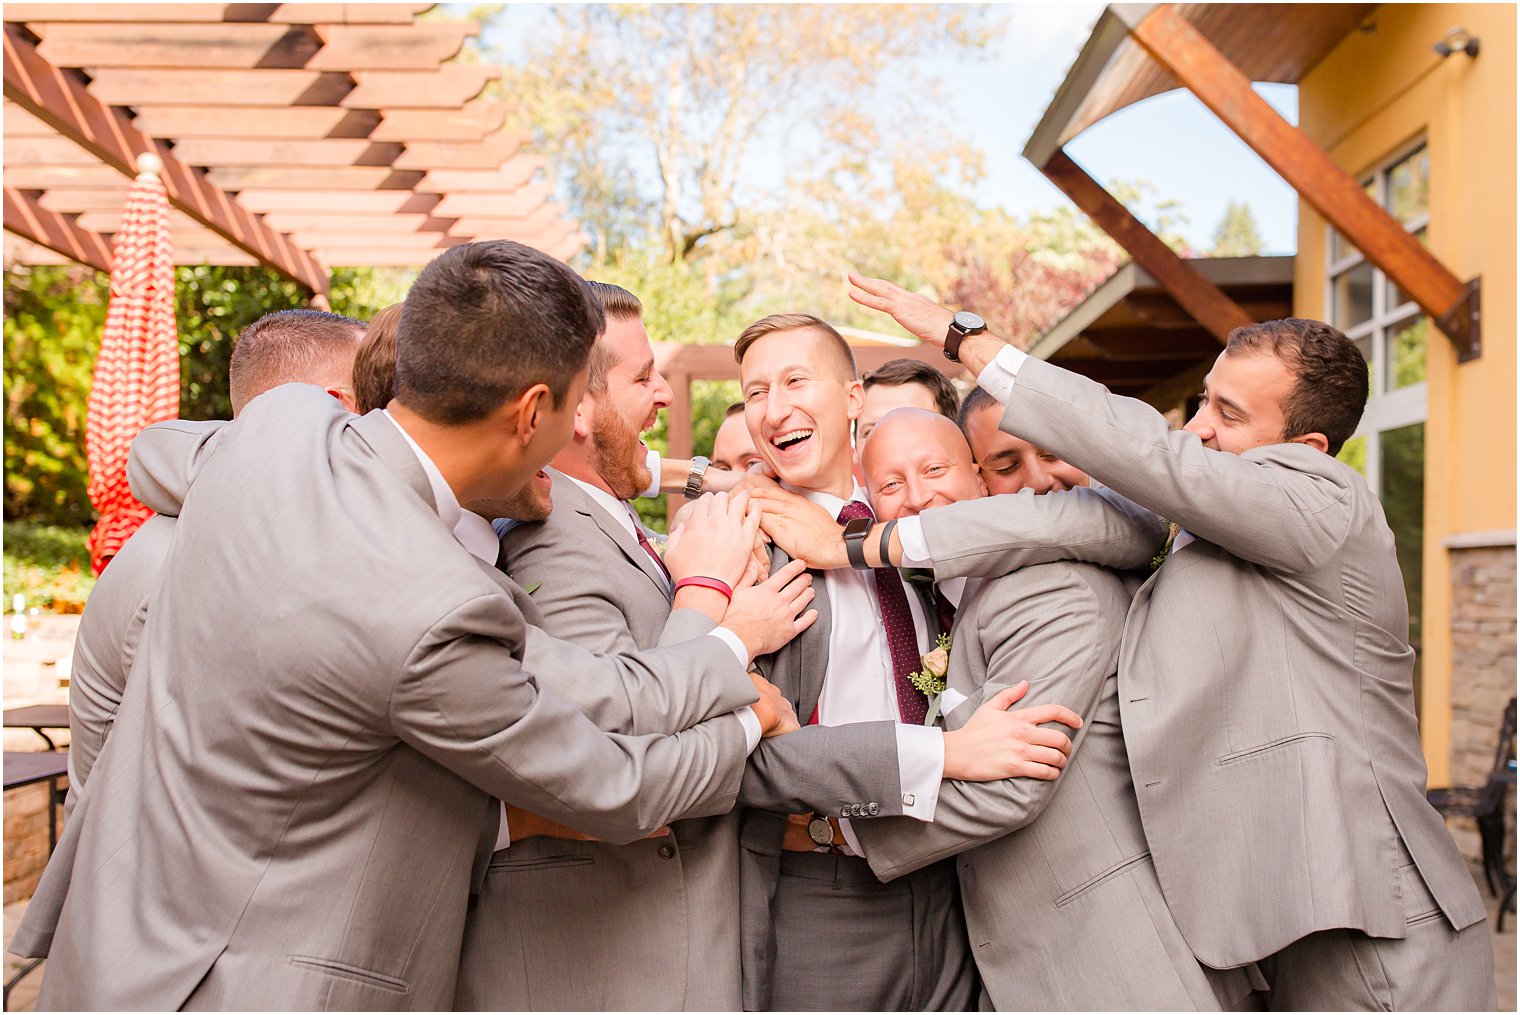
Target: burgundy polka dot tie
[{"x": 897, "y": 621}]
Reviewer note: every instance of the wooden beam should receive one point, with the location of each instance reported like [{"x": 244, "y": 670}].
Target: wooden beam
[
  {"x": 469, "y": 122},
  {"x": 25, "y": 217},
  {"x": 60, "y": 100},
  {"x": 453, "y": 84},
  {"x": 419, "y": 46},
  {"x": 513, "y": 173},
  {"x": 351, "y": 202},
  {"x": 129, "y": 86},
  {"x": 115, "y": 43},
  {"x": 1206, "y": 72},
  {"x": 488, "y": 153},
  {"x": 210, "y": 152},
  {"x": 284, "y": 14},
  {"x": 513, "y": 204},
  {"x": 1196, "y": 294},
  {"x": 183, "y": 122},
  {"x": 297, "y": 177}
]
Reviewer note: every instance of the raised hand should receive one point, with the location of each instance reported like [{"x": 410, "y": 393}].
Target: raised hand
[
  {"x": 999, "y": 744},
  {"x": 715, "y": 540},
  {"x": 768, "y": 614},
  {"x": 919, "y": 315}
]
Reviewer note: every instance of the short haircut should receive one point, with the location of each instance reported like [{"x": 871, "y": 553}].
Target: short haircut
[
  {"x": 375, "y": 365},
  {"x": 618, "y": 304},
  {"x": 977, "y": 399},
  {"x": 911, "y": 371},
  {"x": 483, "y": 323},
  {"x": 833, "y": 340},
  {"x": 1331, "y": 389},
  {"x": 737, "y": 409},
  {"x": 289, "y": 346}
]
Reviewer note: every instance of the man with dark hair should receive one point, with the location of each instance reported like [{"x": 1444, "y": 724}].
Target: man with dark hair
[
  {"x": 309, "y": 346},
  {"x": 375, "y": 364},
  {"x": 300, "y": 779},
  {"x": 654, "y": 918},
  {"x": 1007, "y": 463},
  {"x": 1267, "y": 700},
  {"x": 902, "y": 383},
  {"x": 733, "y": 448},
  {"x": 303, "y": 346}
]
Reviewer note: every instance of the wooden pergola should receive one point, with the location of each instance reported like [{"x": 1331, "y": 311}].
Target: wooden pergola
[
  {"x": 299, "y": 137},
  {"x": 1216, "y": 51}
]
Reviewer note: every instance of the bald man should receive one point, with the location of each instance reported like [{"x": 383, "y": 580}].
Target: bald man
[{"x": 1071, "y": 850}]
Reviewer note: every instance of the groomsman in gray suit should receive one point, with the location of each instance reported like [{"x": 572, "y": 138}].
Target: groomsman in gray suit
[
  {"x": 1073, "y": 849},
  {"x": 654, "y": 918},
  {"x": 300, "y": 780},
  {"x": 819, "y": 931},
  {"x": 1265, "y": 672},
  {"x": 288, "y": 346}
]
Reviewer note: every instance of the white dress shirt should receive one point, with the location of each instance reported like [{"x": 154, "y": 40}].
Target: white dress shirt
[
  {"x": 476, "y": 535},
  {"x": 855, "y": 690}
]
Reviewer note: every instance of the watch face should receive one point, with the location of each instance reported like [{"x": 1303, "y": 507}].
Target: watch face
[
  {"x": 856, "y": 527},
  {"x": 820, "y": 831},
  {"x": 969, "y": 321}
]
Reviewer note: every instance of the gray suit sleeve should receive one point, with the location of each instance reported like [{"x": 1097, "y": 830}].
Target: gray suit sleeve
[
  {"x": 658, "y": 690},
  {"x": 164, "y": 459},
  {"x": 991, "y": 536},
  {"x": 1057, "y": 626},
  {"x": 1284, "y": 506},
  {"x": 825, "y": 769},
  {"x": 464, "y": 701}
]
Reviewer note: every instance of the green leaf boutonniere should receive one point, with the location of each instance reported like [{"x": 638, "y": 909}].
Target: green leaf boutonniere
[
  {"x": 1172, "y": 528},
  {"x": 931, "y": 679}
]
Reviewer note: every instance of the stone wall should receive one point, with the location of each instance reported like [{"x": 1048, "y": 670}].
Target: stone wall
[
  {"x": 26, "y": 837},
  {"x": 1483, "y": 670}
]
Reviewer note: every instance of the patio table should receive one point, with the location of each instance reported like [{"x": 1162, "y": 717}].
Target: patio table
[{"x": 38, "y": 718}]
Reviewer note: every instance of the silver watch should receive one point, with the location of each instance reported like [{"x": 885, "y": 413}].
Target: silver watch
[{"x": 694, "y": 477}]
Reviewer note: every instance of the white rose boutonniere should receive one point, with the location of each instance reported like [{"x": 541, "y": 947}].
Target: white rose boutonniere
[{"x": 931, "y": 679}]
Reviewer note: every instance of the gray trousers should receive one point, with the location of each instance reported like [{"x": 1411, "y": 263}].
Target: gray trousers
[
  {"x": 847, "y": 942},
  {"x": 1434, "y": 968}
]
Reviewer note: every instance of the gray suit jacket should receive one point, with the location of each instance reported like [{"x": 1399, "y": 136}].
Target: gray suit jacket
[
  {"x": 1265, "y": 683},
  {"x": 1061, "y": 900},
  {"x": 299, "y": 781},
  {"x": 657, "y": 920},
  {"x": 108, "y": 635}
]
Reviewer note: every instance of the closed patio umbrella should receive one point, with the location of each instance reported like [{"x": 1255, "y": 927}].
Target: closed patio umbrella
[{"x": 137, "y": 372}]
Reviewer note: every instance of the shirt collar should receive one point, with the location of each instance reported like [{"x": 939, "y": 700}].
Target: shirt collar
[
  {"x": 620, "y": 510},
  {"x": 830, "y": 503},
  {"x": 473, "y": 532}
]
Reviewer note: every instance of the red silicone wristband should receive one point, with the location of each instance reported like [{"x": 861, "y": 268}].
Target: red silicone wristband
[{"x": 707, "y": 583}]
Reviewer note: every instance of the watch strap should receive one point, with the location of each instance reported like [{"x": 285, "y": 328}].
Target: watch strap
[
  {"x": 854, "y": 543},
  {"x": 699, "y": 466}
]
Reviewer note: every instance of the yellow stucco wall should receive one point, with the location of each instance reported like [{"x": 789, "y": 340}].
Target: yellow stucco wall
[{"x": 1374, "y": 93}]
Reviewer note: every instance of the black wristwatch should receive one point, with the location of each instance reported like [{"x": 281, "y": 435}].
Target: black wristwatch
[
  {"x": 962, "y": 324},
  {"x": 855, "y": 541},
  {"x": 821, "y": 832}
]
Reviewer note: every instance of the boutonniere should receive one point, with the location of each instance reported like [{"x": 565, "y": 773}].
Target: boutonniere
[
  {"x": 529, "y": 589},
  {"x": 1172, "y": 528},
  {"x": 931, "y": 679},
  {"x": 659, "y": 543}
]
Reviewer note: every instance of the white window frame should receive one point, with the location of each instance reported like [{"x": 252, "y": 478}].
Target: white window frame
[{"x": 1399, "y": 407}]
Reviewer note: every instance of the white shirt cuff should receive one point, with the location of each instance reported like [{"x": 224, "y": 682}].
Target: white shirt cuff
[
  {"x": 652, "y": 463},
  {"x": 503, "y": 833},
  {"x": 849, "y": 838},
  {"x": 998, "y": 376},
  {"x": 735, "y": 646},
  {"x": 915, "y": 548},
  {"x": 920, "y": 767},
  {"x": 751, "y": 724}
]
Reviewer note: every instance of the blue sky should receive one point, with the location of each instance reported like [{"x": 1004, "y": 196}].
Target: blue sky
[{"x": 1171, "y": 140}]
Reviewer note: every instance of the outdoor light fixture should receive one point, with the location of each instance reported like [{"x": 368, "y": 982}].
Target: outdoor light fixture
[{"x": 1458, "y": 40}]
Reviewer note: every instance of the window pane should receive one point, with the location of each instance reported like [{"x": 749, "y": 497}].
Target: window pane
[
  {"x": 1409, "y": 187},
  {"x": 1404, "y": 359},
  {"x": 1397, "y": 297},
  {"x": 1403, "y": 468},
  {"x": 1354, "y": 454},
  {"x": 1364, "y": 346},
  {"x": 1339, "y": 246},
  {"x": 1351, "y": 297}
]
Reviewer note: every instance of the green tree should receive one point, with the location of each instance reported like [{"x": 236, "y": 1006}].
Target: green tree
[{"x": 1236, "y": 234}]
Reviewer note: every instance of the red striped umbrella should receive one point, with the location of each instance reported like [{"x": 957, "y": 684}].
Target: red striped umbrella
[{"x": 137, "y": 372}]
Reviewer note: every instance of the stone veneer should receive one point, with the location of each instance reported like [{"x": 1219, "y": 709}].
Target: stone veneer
[{"x": 1483, "y": 670}]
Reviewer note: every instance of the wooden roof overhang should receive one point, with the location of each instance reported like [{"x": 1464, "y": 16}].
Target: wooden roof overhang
[
  {"x": 296, "y": 136},
  {"x": 1132, "y": 335},
  {"x": 1216, "y": 51}
]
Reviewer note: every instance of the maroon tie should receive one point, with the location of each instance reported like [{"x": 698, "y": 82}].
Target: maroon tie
[
  {"x": 897, "y": 621},
  {"x": 945, "y": 609},
  {"x": 638, "y": 532}
]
